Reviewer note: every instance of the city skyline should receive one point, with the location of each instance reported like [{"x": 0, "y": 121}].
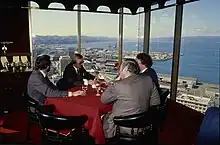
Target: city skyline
[{"x": 196, "y": 22}]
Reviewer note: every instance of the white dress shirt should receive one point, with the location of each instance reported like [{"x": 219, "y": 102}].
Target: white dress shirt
[
  {"x": 143, "y": 70},
  {"x": 43, "y": 73},
  {"x": 75, "y": 69}
]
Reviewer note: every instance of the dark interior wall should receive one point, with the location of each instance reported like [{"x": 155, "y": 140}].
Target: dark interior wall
[
  {"x": 14, "y": 27},
  {"x": 11, "y": 88}
]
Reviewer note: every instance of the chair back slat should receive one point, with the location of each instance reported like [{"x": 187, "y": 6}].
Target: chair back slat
[
  {"x": 57, "y": 122},
  {"x": 133, "y": 121},
  {"x": 163, "y": 95},
  {"x": 52, "y": 127},
  {"x": 134, "y": 129}
]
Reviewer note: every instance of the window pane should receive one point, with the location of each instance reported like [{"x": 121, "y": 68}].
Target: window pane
[
  {"x": 54, "y": 33},
  {"x": 100, "y": 42}
]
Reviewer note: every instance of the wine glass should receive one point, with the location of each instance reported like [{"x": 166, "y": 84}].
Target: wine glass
[
  {"x": 102, "y": 89},
  {"x": 86, "y": 83},
  {"x": 84, "y": 87},
  {"x": 98, "y": 88},
  {"x": 9, "y": 66},
  {"x": 28, "y": 64}
]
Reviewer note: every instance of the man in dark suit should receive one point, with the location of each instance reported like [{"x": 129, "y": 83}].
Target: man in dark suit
[
  {"x": 40, "y": 87},
  {"x": 74, "y": 73},
  {"x": 129, "y": 95},
  {"x": 145, "y": 63}
]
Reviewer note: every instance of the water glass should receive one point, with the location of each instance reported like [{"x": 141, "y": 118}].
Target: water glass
[
  {"x": 98, "y": 88},
  {"x": 102, "y": 89},
  {"x": 84, "y": 87}
]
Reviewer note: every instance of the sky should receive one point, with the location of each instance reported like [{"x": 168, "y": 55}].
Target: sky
[{"x": 199, "y": 19}]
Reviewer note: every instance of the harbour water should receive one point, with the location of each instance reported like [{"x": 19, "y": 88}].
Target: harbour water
[{"x": 201, "y": 56}]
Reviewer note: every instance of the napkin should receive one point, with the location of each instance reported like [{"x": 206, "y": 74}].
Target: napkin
[
  {"x": 86, "y": 82},
  {"x": 93, "y": 86},
  {"x": 100, "y": 76}
]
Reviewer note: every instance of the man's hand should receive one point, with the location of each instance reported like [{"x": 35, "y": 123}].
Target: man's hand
[
  {"x": 92, "y": 82},
  {"x": 101, "y": 77},
  {"x": 79, "y": 93},
  {"x": 118, "y": 78}
]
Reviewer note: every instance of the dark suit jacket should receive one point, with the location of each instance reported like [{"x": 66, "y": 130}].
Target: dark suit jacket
[
  {"x": 40, "y": 87},
  {"x": 129, "y": 96},
  {"x": 152, "y": 73},
  {"x": 72, "y": 78}
]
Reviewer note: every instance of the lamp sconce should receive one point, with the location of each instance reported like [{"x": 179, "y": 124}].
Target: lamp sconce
[{"x": 4, "y": 43}]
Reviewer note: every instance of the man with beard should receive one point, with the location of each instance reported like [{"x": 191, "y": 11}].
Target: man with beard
[{"x": 74, "y": 74}]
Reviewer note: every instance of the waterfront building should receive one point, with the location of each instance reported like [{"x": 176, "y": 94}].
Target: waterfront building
[
  {"x": 212, "y": 91},
  {"x": 194, "y": 102},
  {"x": 64, "y": 61},
  {"x": 83, "y": 51},
  {"x": 71, "y": 52},
  {"x": 108, "y": 56},
  {"x": 190, "y": 82},
  {"x": 89, "y": 66},
  {"x": 213, "y": 94}
]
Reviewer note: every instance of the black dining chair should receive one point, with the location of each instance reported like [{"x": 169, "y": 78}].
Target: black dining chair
[
  {"x": 140, "y": 129},
  {"x": 163, "y": 95},
  {"x": 162, "y": 109},
  {"x": 32, "y": 106},
  {"x": 52, "y": 127}
]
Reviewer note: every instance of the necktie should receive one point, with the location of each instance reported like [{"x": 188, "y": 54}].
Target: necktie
[
  {"x": 49, "y": 82},
  {"x": 47, "y": 79}
]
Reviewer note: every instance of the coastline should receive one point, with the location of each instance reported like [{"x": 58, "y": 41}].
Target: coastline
[
  {"x": 180, "y": 77},
  {"x": 206, "y": 71}
]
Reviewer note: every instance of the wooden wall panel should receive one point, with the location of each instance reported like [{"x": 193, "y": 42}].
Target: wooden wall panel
[
  {"x": 11, "y": 88},
  {"x": 14, "y": 27}
]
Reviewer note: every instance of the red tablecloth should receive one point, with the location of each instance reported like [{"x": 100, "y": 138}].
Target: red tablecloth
[
  {"x": 1, "y": 122},
  {"x": 89, "y": 105},
  {"x": 5, "y": 131}
]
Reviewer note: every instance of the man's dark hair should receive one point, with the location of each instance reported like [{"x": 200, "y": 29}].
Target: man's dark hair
[
  {"x": 76, "y": 55},
  {"x": 79, "y": 56},
  {"x": 145, "y": 59},
  {"x": 42, "y": 62},
  {"x": 132, "y": 65}
]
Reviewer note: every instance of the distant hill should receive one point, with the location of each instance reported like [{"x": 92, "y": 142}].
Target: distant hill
[
  {"x": 88, "y": 39},
  {"x": 68, "y": 39}
]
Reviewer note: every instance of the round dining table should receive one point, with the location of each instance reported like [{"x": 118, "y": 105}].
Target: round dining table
[{"x": 89, "y": 105}]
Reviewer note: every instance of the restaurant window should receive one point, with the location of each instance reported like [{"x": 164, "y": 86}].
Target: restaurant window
[
  {"x": 161, "y": 42},
  {"x": 100, "y": 41},
  {"x": 53, "y": 33},
  {"x": 199, "y": 55},
  {"x": 133, "y": 33},
  {"x": 199, "y": 60}
]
